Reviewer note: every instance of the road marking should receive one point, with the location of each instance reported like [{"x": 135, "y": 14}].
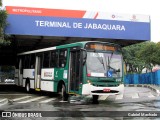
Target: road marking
[
  {"x": 135, "y": 95},
  {"x": 62, "y": 101},
  {"x": 118, "y": 97},
  {"x": 13, "y": 94},
  {"x": 34, "y": 99},
  {"x": 3, "y": 100},
  {"x": 16, "y": 99},
  {"x": 150, "y": 95},
  {"x": 48, "y": 100},
  {"x": 103, "y": 97}
]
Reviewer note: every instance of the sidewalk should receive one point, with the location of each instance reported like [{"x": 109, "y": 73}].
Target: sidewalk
[{"x": 155, "y": 88}]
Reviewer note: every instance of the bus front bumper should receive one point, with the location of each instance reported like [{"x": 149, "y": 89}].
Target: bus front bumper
[{"x": 88, "y": 89}]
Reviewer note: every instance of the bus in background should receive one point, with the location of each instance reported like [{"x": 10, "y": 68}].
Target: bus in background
[{"x": 84, "y": 68}]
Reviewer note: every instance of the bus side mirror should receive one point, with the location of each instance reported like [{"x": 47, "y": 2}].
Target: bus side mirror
[
  {"x": 118, "y": 70},
  {"x": 84, "y": 55}
]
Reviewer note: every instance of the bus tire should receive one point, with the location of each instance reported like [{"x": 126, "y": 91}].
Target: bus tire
[
  {"x": 62, "y": 92},
  {"x": 27, "y": 86},
  {"x": 95, "y": 99}
]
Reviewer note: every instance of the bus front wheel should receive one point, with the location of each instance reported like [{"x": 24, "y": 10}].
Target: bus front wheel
[
  {"x": 95, "y": 99},
  {"x": 27, "y": 87},
  {"x": 62, "y": 92}
]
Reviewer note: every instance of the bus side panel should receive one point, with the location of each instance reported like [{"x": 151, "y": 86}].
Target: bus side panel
[
  {"x": 60, "y": 74},
  {"x": 56, "y": 79},
  {"x": 28, "y": 73},
  {"x": 47, "y": 79},
  {"x": 32, "y": 83},
  {"x": 47, "y": 85}
]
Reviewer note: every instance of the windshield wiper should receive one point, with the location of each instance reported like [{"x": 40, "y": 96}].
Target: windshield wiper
[
  {"x": 116, "y": 70},
  {"x": 100, "y": 60},
  {"x": 109, "y": 61}
]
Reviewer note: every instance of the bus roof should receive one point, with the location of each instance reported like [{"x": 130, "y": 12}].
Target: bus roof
[{"x": 63, "y": 46}]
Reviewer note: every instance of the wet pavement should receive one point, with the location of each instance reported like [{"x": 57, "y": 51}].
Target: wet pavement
[
  {"x": 68, "y": 110},
  {"x": 135, "y": 99}
]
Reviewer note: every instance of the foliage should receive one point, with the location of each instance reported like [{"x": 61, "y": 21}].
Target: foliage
[
  {"x": 157, "y": 54},
  {"x": 133, "y": 62},
  {"x": 7, "y": 68},
  {"x": 4, "y": 39},
  {"x": 143, "y": 55},
  {"x": 148, "y": 53},
  {"x": 7, "y": 72}
]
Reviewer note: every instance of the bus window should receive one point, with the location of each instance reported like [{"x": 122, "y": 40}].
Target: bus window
[
  {"x": 32, "y": 61},
  {"x": 46, "y": 59},
  {"x": 22, "y": 64},
  {"x": 62, "y": 58},
  {"x": 54, "y": 59},
  {"x": 17, "y": 63},
  {"x": 27, "y": 61},
  {"x": 39, "y": 60}
]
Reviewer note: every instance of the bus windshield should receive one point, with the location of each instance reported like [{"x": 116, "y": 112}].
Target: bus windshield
[{"x": 100, "y": 64}]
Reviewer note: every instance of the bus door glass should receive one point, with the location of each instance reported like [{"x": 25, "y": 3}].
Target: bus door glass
[
  {"x": 75, "y": 70},
  {"x": 20, "y": 73},
  {"x": 38, "y": 70}
]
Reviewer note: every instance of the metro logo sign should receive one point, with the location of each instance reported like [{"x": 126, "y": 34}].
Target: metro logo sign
[
  {"x": 74, "y": 14},
  {"x": 45, "y": 12}
]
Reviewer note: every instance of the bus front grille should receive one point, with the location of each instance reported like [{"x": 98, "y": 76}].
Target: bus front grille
[
  {"x": 101, "y": 91},
  {"x": 105, "y": 85}
]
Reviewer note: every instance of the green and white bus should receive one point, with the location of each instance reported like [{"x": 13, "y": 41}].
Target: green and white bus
[{"x": 84, "y": 68}]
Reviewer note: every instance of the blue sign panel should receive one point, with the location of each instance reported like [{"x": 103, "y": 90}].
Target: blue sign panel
[{"x": 77, "y": 27}]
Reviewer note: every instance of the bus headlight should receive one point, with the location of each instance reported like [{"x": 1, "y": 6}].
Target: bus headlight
[
  {"x": 89, "y": 82},
  {"x": 118, "y": 80}
]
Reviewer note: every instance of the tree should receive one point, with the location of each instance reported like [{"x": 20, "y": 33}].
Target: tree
[
  {"x": 4, "y": 39},
  {"x": 157, "y": 54},
  {"x": 134, "y": 63},
  {"x": 149, "y": 54},
  {"x": 143, "y": 55}
]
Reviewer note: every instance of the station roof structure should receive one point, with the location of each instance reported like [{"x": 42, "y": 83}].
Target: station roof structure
[{"x": 33, "y": 28}]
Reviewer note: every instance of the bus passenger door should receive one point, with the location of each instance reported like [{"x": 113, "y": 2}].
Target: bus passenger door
[
  {"x": 75, "y": 68},
  {"x": 37, "y": 72},
  {"x": 20, "y": 72}
]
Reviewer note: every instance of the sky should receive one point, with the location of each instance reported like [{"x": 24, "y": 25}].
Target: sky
[{"x": 144, "y": 7}]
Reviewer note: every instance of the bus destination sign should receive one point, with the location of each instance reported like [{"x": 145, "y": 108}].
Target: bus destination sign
[{"x": 101, "y": 47}]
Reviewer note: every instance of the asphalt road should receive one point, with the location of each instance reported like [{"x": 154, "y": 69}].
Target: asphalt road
[{"x": 135, "y": 99}]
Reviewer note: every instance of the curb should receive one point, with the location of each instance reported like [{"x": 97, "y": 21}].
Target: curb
[
  {"x": 3, "y": 101},
  {"x": 144, "y": 85},
  {"x": 154, "y": 89}
]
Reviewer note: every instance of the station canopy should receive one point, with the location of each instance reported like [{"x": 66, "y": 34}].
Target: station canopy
[{"x": 33, "y": 28}]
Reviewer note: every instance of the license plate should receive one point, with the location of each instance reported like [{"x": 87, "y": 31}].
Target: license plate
[{"x": 106, "y": 90}]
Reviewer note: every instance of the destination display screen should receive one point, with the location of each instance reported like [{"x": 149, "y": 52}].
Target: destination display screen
[{"x": 100, "y": 46}]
